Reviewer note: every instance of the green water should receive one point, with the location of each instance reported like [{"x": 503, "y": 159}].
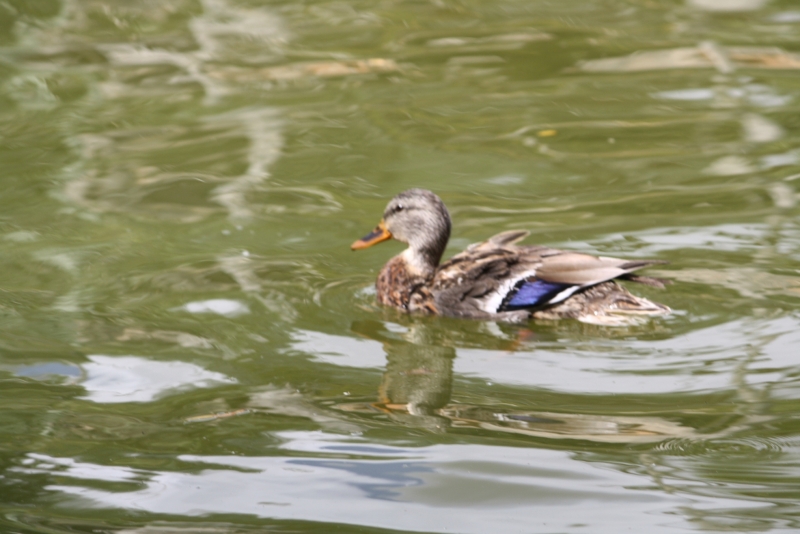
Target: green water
[{"x": 187, "y": 344}]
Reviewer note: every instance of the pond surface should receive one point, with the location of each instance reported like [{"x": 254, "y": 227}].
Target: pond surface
[{"x": 187, "y": 344}]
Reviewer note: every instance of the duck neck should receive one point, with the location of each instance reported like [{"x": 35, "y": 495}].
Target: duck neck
[
  {"x": 421, "y": 262},
  {"x": 425, "y": 249}
]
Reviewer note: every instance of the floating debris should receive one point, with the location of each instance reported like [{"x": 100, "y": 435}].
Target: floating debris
[
  {"x": 319, "y": 69},
  {"x": 704, "y": 56},
  {"x": 215, "y": 416}
]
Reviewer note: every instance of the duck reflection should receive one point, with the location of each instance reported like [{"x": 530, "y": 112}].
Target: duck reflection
[
  {"x": 418, "y": 380},
  {"x": 416, "y": 390}
]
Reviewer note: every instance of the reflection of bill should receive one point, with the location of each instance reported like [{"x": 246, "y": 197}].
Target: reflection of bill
[{"x": 417, "y": 385}]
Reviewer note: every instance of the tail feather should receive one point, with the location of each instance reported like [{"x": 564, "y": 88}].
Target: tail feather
[
  {"x": 660, "y": 283},
  {"x": 639, "y": 264}
]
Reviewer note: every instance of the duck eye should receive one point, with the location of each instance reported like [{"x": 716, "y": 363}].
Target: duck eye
[{"x": 399, "y": 207}]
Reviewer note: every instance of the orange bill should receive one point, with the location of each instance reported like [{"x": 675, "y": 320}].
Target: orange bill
[{"x": 380, "y": 233}]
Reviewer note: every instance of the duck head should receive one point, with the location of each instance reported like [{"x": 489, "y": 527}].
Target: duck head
[{"x": 418, "y": 218}]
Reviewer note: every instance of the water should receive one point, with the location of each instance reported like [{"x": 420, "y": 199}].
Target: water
[{"x": 187, "y": 344}]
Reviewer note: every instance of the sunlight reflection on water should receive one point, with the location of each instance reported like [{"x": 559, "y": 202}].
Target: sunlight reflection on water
[
  {"x": 112, "y": 379},
  {"x": 434, "y": 484}
]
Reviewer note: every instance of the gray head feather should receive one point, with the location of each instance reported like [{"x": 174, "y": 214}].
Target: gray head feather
[{"x": 419, "y": 217}]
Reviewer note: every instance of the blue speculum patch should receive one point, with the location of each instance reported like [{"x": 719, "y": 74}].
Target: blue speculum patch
[{"x": 531, "y": 293}]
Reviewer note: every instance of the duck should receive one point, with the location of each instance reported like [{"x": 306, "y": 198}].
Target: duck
[{"x": 498, "y": 279}]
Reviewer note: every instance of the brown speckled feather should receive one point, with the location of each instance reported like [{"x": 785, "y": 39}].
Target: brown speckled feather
[{"x": 398, "y": 287}]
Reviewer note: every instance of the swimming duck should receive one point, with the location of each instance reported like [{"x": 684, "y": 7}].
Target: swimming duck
[{"x": 498, "y": 279}]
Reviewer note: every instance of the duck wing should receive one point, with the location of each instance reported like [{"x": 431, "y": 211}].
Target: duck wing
[
  {"x": 474, "y": 282},
  {"x": 496, "y": 276},
  {"x": 561, "y": 274},
  {"x": 584, "y": 269}
]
